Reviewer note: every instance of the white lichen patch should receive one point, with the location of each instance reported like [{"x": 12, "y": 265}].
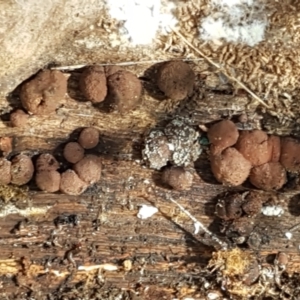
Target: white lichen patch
[
  {"x": 272, "y": 210},
  {"x": 142, "y": 19},
  {"x": 288, "y": 235},
  {"x": 237, "y": 21},
  {"x": 27, "y": 212},
  {"x": 176, "y": 143},
  {"x": 146, "y": 211}
]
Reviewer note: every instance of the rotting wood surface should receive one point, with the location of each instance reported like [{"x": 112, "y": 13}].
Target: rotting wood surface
[{"x": 38, "y": 258}]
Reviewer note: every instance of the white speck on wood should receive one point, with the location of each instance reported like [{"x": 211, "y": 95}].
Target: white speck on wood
[{"x": 146, "y": 211}]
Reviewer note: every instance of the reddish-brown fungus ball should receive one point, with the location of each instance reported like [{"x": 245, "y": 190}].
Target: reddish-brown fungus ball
[
  {"x": 89, "y": 169},
  {"x": 178, "y": 178},
  {"x": 268, "y": 177},
  {"x": 290, "y": 154},
  {"x": 176, "y": 79},
  {"x": 92, "y": 84},
  {"x": 254, "y": 146},
  {"x": 71, "y": 184},
  {"x": 5, "y": 171},
  {"x": 89, "y": 138},
  {"x": 46, "y": 162},
  {"x": 73, "y": 152},
  {"x": 6, "y": 145},
  {"x": 18, "y": 118},
  {"x": 48, "y": 181},
  {"x": 222, "y": 135},
  {"x": 21, "y": 169},
  {"x": 43, "y": 94},
  {"x": 275, "y": 148},
  {"x": 125, "y": 91},
  {"x": 230, "y": 167}
]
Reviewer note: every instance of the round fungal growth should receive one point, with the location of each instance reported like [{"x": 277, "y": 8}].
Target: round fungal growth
[
  {"x": 92, "y": 84},
  {"x": 109, "y": 70},
  {"x": 48, "y": 181},
  {"x": 157, "y": 150},
  {"x": 43, "y": 94},
  {"x": 222, "y": 135},
  {"x": 268, "y": 177},
  {"x": 18, "y": 118},
  {"x": 253, "y": 144},
  {"x": 124, "y": 90},
  {"x": 289, "y": 157},
  {"x": 21, "y": 169},
  {"x": 5, "y": 171},
  {"x": 176, "y": 79},
  {"x": 275, "y": 148},
  {"x": 178, "y": 178},
  {"x": 230, "y": 167},
  {"x": 46, "y": 162},
  {"x": 89, "y": 138},
  {"x": 73, "y": 152},
  {"x": 230, "y": 207},
  {"x": 88, "y": 169},
  {"x": 6, "y": 145},
  {"x": 252, "y": 204},
  {"x": 71, "y": 184}
]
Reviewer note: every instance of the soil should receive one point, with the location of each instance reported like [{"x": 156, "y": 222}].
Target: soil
[{"x": 58, "y": 246}]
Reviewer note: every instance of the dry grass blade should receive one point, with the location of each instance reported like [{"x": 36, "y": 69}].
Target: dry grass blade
[
  {"x": 126, "y": 63},
  {"x": 221, "y": 69},
  {"x": 200, "y": 225}
]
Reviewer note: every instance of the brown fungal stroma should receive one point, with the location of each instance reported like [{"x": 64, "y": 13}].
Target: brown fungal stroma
[
  {"x": 5, "y": 170},
  {"x": 71, "y": 184},
  {"x": 254, "y": 146},
  {"x": 89, "y": 138},
  {"x": 290, "y": 158},
  {"x": 88, "y": 169},
  {"x": 43, "y": 94},
  {"x": 92, "y": 84},
  {"x": 73, "y": 152},
  {"x": 230, "y": 167},
  {"x": 124, "y": 91},
  {"x": 178, "y": 178},
  {"x": 46, "y": 162},
  {"x": 21, "y": 169},
  {"x": 18, "y": 118},
  {"x": 222, "y": 135},
  {"x": 176, "y": 79},
  {"x": 48, "y": 181},
  {"x": 270, "y": 176}
]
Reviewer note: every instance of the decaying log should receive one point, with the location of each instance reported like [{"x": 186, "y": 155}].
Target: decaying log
[{"x": 109, "y": 252}]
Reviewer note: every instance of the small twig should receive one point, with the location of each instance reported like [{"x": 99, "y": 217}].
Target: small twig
[
  {"x": 200, "y": 225},
  {"x": 126, "y": 63},
  {"x": 221, "y": 69},
  {"x": 295, "y": 227}
]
